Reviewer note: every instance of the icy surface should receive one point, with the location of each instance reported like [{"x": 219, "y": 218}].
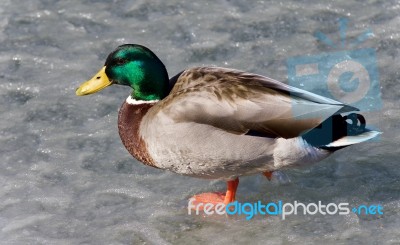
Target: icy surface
[{"x": 66, "y": 178}]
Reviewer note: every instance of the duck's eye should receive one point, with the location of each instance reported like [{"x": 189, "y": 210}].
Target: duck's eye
[{"x": 120, "y": 61}]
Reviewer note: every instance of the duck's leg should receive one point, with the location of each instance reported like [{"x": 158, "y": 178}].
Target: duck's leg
[
  {"x": 268, "y": 174},
  {"x": 231, "y": 190},
  {"x": 215, "y": 198}
]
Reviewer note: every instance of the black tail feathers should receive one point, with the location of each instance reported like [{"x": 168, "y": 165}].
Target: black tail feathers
[
  {"x": 357, "y": 125},
  {"x": 334, "y": 128}
]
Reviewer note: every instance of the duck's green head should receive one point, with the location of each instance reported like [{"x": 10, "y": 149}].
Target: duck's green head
[{"x": 135, "y": 66}]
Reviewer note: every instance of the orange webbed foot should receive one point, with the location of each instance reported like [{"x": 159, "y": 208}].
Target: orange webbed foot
[
  {"x": 198, "y": 201},
  {"x": 268, "y": 174}
]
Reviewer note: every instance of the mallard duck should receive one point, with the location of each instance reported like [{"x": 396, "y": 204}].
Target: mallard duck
[{"x": 220, "y": 123}]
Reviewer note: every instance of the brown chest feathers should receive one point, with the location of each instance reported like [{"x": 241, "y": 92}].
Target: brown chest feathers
[{"x": 129, "y": 119}]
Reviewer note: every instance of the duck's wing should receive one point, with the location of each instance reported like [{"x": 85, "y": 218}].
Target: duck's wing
[{"x": 240, "y": 102}]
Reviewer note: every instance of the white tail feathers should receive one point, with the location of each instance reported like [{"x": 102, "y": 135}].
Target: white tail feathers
[{"x": 351, "y": 140}]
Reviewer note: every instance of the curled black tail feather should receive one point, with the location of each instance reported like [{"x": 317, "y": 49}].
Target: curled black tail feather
[
  {"x": 334, "y": 128},
  {"x": 355, "y": 128}
]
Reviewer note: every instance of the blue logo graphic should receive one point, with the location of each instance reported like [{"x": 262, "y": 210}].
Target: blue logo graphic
[{"x": 349, "y": 75}]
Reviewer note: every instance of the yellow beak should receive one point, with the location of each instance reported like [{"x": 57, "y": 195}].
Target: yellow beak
[{"x": 95, "y": 84}]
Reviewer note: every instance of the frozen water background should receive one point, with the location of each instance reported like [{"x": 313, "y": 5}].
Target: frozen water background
[{"x": 66, "y": 178}]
